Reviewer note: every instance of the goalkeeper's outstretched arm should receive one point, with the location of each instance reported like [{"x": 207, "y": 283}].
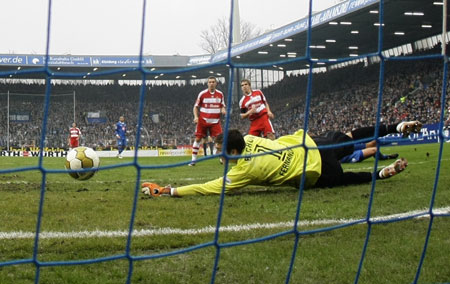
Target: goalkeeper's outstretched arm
[
  {"x": 212, "y": 187},
  {"x": 234, "y": 180}
]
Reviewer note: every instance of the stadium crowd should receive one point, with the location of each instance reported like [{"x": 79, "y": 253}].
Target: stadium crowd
[{"x": 341, "y": 99}]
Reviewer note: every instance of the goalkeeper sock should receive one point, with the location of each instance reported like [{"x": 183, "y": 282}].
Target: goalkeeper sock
[
  {"x": 396, "y": 167},
  {"x": 205, "y": 148},
  {"x": 365, "y": 132},
  {"x": 211, "y": 146},
  {"x": 408, "y": 127},
  {"x": 195, "y": 148}
]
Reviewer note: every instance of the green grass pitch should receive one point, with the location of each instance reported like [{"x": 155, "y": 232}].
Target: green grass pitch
[{"x": 84, "y": 220}]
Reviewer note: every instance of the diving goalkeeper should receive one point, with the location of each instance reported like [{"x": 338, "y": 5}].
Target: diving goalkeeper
[{"x": 286, "y": 166}]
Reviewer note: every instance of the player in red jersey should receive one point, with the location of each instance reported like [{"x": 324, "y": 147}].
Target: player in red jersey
[
  {"x": 74, "y": 136},
  {"x": 254, "y": 106},
  {"x": 209, "y": 106}
]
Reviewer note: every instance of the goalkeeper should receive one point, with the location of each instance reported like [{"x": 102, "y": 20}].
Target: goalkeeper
[{"x": 286, "y": 166}]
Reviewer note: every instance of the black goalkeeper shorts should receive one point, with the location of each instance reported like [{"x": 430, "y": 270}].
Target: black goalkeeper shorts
[{"x": 332, "y": 172}]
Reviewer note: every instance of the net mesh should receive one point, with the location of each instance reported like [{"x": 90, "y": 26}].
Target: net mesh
[{"x": 215, "y": 242}]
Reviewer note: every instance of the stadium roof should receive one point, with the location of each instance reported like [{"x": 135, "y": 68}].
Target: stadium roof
[{"x": 346, "y": 31}]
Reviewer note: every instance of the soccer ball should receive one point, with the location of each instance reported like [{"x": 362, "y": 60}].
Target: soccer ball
[{"x": 82, "y": 158}]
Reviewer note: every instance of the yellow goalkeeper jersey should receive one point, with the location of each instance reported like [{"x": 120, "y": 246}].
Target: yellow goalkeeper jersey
[{"x": 282, "y": 167}]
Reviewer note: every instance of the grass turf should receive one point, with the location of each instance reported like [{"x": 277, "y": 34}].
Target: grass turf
[{"x": 105, "y": 202}]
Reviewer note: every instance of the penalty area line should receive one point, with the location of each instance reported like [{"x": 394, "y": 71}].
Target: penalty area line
[{"x": 206, "y": 230}]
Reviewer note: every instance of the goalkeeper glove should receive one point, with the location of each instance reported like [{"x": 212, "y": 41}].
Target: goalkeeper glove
[{"x": 153, "y": 189}]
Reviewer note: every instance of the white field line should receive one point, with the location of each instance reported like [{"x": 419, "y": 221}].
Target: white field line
[
  {"x": 73, "y": 181},
  {"x": 208, "y": 229},
  {"x": 182, "y": 179},
  {"x": 380, "y": 166}
]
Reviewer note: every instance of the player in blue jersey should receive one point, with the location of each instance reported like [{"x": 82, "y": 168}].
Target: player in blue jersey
[
  {"x": 121, "y": 135},
  {"x": 364, "y": 151}
]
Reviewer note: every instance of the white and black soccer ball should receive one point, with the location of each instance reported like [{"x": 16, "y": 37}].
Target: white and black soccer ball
[{"x": 82, "y": 158}]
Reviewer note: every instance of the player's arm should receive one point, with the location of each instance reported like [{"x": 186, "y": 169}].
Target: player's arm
[
  {"x": 269, "y": 112},
  {"x": 224, "y": 107},
  {"x": 236, "y": 179},
  {"x": 117, "y": 131},
  {"x": 195, "y": 111},
  {"x": 197, "y": 104},
  {"x": 245, "y": 112},
  {"x": 211, "y": 187}
]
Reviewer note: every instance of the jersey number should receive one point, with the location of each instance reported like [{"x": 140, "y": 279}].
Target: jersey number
[{"x": 279, "y": 154}]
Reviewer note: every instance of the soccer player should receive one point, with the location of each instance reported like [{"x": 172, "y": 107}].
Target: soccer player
[
  {"x": 447, "y": 122},
  {"x": 254, "y": 106},
  {"x": 285, "y": 167},
  {"x": 74, "y": 136},
  {"x": 121, "y": 132},
  {"x": 208, "y": 107},
  {"x": 364, "y": 151}
]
